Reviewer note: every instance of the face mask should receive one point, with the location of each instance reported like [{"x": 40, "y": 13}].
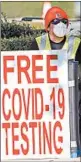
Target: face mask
[{"x": 60, "y": 29}]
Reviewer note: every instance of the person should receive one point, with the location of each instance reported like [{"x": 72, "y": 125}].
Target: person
[{"x": 57, "y": 37}]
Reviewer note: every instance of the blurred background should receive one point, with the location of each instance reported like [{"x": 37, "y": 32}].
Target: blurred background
[
  {"x": 26, "y": 19},
  {"x": 21, "y": 9}
]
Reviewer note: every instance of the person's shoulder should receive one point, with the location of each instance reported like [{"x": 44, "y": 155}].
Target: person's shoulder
[
  {"x": 78, "y": 41},
  {"x": 78, "y": 53},
  {"x": 33, "y": 40},
  {"x": 33, "y": 45},
  {"x": 75, "y": 37},
  {"x": 41, "y": 36}
]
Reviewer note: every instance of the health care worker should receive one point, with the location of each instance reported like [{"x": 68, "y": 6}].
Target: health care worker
[{"x": 55, "y": 38}]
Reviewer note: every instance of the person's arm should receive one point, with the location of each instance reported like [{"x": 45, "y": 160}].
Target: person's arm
[
  {"x": 34, "y": 45},
  {"x": 78, "y": 54},
  {"x": 78, "y": 58}
]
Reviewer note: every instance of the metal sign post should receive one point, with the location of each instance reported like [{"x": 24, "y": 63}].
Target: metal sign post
[{"x": 74, "y": 107}]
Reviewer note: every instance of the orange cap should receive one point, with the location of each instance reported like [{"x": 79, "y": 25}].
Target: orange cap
[{"x": 53, "y": 13}]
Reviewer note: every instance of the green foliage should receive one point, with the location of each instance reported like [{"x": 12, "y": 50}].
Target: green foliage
[
  {"x": 3, "y": 17},
  {"x": 17, "y": 37},
  {"x": 9, "y": 30},
  {"x": 22, "y": 43}
]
